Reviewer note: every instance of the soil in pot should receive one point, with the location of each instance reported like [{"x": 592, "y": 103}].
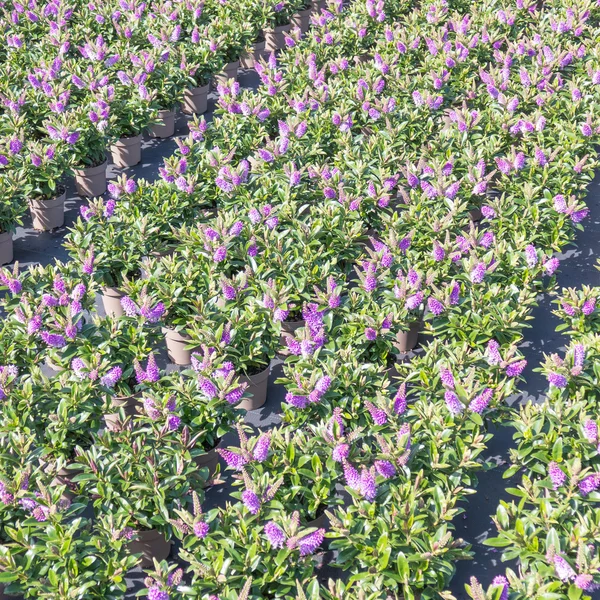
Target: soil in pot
[
  {"x": 257, "y": 387},
  {"x": 150, "y": 544},
  {"x": 48, "y": 214},
  {"x": 111, "y": 300},
  {"x": 166, "y": 127},
  {"x": 127, "y": 152},
  {"x": 127, "y": 403},
  {"x": 195, "y": 100},
  {"x": 275, "y": 38},
  {"x": 407, "y": 340},
  {"x": 6, "y": 248},
  {"x": 177, "y": 346},
  {"x": 90, "y": 182}
]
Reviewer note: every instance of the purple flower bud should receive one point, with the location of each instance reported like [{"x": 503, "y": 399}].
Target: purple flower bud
[
  {"x": 251, "y": 501},
  {"x": 589, "y": 484},
  {"x": 515, "y": 369},
  {"x": 370, "y": 334},
  {"x": 308, "y": 544},
  {"x": 385, "y": 468},
  {"x": 340, "y": 453},
  {"x": 275, "y": 534},
  {"x": 435, "y": 306},
  {"x": 557, "y": 380},
  {"x": 367, "y": 486},
  {"x": 201, "y": 529},
  {"x": 590, "y": 431},
  {"x": 453, "y": 403},
  {"x": 261, "y": 449},
  {"x": 480, "y": 403}
]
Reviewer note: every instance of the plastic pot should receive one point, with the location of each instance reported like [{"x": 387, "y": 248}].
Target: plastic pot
[
  {"x": 176, "y": 346},
  {"x": 150, "y": 544},
  {"x": 65, "y": 477},
  {"x": 6, "y": 248},
  {"x": 210, "y": 460},
  {"x": 195, "y": 100},
  {"x": 302, "y": 19},
  {"x": 319, "y": 522},
  {"x": 275, "y": 39},
  {"x": 229, "y": 74},
  {"x": 248, "y": 60},
  {"x": 48, "y": 214},
  {"x": 127, "y": 152},
  {"x": 407, "y": 340},
  {"x": 287, "y": 330},
  {"x": 91, "y": 181},
  {"x": 257, "y": 386},
  {"x": 111, "y": 300},
  {"x": 127, "y": 403},
  {"x": 166, "y": 127},
  {"x": 475, "y": 214}
]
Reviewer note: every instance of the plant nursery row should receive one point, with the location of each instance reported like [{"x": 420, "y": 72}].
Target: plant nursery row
[{"x": 380, "y": 215}]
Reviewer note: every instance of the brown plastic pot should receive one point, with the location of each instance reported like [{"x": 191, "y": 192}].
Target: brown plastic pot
[
  {"x": 6, "y": 248},
  {"x": 257, "y": 386},
  {"x": 475, "y": 214},
  {"x": 48, "y": 214},
  {"x": 65, "y": 477},
  {"x": 127, "y": 403},
  {"x": 150, "y": 544},
  {"x": 210, "y": 460},
  {"x": 195, "y": 100},
  {"x": 111, "y": 300},
  {"x": 317, "y": 5},
  {"x": 127, "y": 152},
  {"x": 91, "y": 181},
  {"x": 228, "y": 75},
  {"x": 319, "y": 522},
  {"x": 176, "y": 346},
  {"x": 287, "y": 330},
  {"x": 302, "y": 19},
  {"x": 166, "y": 127},
  {"x": 275, "y": 39},
  {"x": 407, "y": 340},
  {"x": 248, "y": 60}
]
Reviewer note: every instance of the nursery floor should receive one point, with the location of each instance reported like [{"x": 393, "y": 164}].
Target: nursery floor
[{"x": 578, "y": 267}]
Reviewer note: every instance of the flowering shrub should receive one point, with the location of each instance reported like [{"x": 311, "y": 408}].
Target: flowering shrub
[{"x": 401, "y": 171}]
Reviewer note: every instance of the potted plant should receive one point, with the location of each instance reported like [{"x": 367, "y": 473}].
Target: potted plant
[
  {"x": 131, "y": 115},
  {"x": 55, "y": 552},
  {"x": 141, "y": 475},
  {"x": 40, "y": 171},
  {"x": 90, "y": 125},
  {"x": 218, "y": 544},
  {"x": 108, "y": 247}
]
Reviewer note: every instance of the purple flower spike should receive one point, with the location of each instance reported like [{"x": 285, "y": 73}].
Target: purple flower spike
[
  {"x": 557, "y": 380},
  {"x": 385, "y": 468},
  {"x": 261, "y": 450},
  {"x": 500, "y": 580},
  {"x": 275, "y": 535},
  {"x": 556, "y": 474},
  {"x": 308, "y": 544},
  {"x": 251, "y": 501}
]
